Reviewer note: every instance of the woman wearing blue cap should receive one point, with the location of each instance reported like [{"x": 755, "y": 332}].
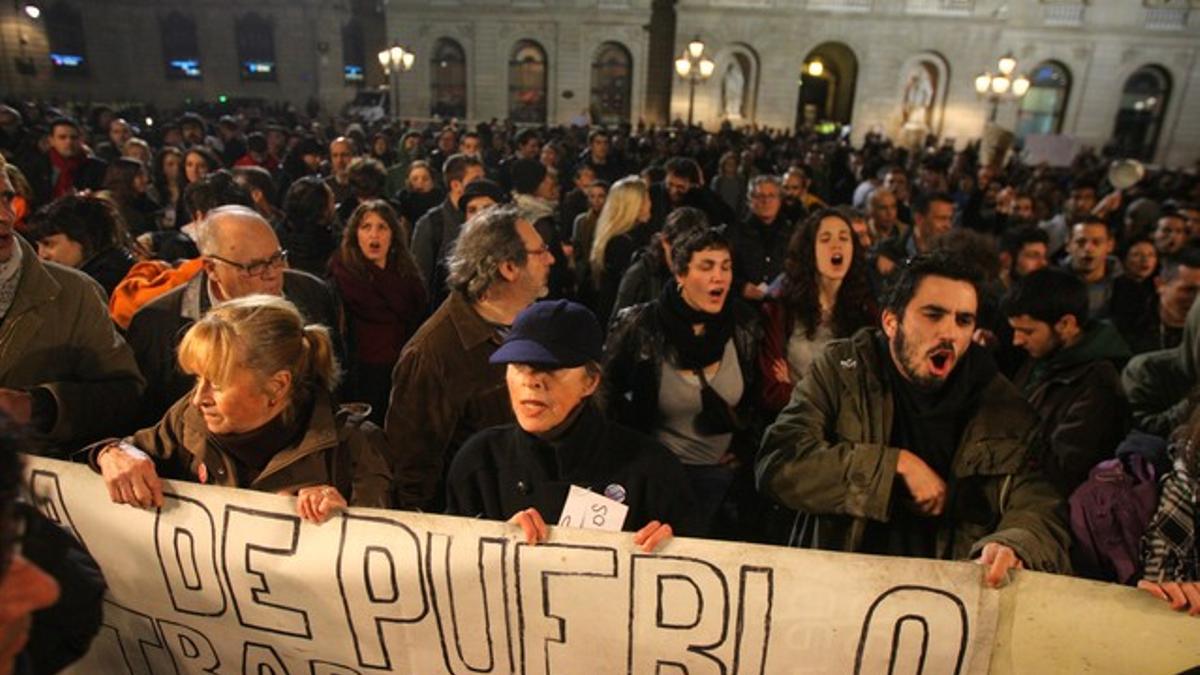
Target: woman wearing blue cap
[{"x": 523, "y": 472}]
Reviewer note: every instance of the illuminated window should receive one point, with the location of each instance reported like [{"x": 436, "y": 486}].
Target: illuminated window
[
  {"x": 181, "y": 50},
  {"x": 448, "y": 80},
  {"x": 527, "y": 83},
  {"x": 64, "y": 31},
  {"x": 1043, "y": 105},
  {"x": 1139, "y": 119},
  {"x": 612, "y": 84},
  {"x": 354, "y": 53},
  {"x": 255, "y": 38}
]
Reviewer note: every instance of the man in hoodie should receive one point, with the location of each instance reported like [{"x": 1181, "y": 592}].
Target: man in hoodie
[
  {"x": 1159, "y": 383},
  {"x": 1072, "y": 376}
]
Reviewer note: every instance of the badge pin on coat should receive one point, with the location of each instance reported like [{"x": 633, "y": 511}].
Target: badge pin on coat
[
  {"x": 849, "y": 364},
  {"x": 615, "y": 492}
]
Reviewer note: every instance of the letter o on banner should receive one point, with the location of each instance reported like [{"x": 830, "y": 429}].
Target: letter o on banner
[{"x": 906, "y": 625}]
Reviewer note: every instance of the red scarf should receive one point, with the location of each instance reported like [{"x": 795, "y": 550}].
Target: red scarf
[{"x": 68, "y": 170}]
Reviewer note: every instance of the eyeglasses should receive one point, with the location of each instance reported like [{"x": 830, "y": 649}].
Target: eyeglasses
[
  {"x": 256, "y": 268},
  {"x": 541, "y": 250},
  {"x": 764, "y": 197}
]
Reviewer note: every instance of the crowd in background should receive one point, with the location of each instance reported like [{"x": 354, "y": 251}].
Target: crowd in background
[{"x": 722, "y": 268}]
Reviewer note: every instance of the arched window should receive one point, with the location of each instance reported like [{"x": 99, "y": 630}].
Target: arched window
[
  {"x": 255, "y": 38},
  {"x": 354, "y": 53},
  {"x": 181, "y": 50},
  {"x": 527, "y": 83},
  {"x": 448, "y": 80},
  {"x": 1043, "y": 105},
  {"x": 64, "y": 31},
  {"x": 612, "y": 84},
  {"x": 1139, "y": 119}
]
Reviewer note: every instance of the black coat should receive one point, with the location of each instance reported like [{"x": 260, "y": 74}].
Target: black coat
[
  {"x": 503, "y": 470},
  {"x": 157, "y": 328},
  {"x": 40, "y": 174}
]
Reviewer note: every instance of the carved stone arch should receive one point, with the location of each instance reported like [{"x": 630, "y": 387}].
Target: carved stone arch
[
  {"x": 937, "y": 69},
  {"x": 743, "y": 56}
]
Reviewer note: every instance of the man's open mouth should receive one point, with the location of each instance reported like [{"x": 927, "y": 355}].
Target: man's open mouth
[{"x": 941, "y": 362}]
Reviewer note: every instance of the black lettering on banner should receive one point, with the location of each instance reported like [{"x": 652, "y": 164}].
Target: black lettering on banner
[
  {"x": 938, "y": 615},
  {"x": 753, "y": 632},
  {"x": 535, "y": 567},
  {"x": 190, "y": 650},
  {"x": 48, "y": 498},
  {"x": 141, "y": 647},
  {"x": 483, "y": 593},
  {"x": 678, "y": 614},
  {"x": 250, "y": 540},
  {"x": 327, "y": 668},
  {"x": 187, "y": 556},
  {"x": 392, "y": 562},
  {"x": 258, "y": 659}
]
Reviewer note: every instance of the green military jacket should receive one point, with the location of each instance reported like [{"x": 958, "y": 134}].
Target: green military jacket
[{"x": 827, "y": 455}]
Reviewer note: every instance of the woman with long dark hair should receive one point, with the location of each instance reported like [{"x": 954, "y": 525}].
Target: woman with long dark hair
[
  {"x": 126, "y": 182},
  {"x": 383, "y": 296},
  {"x": 168, "y": 184},
  {"x": 825, "y": 295},
  {"x": 307, "y": 229}
]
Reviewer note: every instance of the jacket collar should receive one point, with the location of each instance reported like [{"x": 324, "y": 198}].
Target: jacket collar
[
  {"x": 37, "y": 286},
  {"x": 319, "y": 435},
  {"x": 471, "y": 328},
  {"x": 575, "y": 450}
]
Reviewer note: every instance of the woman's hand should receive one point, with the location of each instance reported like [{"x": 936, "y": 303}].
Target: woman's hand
[
  {"x": 531, "y": 524},
  {"x": 999, "y": 559},
  {"x": 1183, "y": 595},
  {"x": 317, "y": 503},
  {"x": 653, "y": 534},
  {"x": 130, "y": 476},
  {"x": 779, "y": 370}
]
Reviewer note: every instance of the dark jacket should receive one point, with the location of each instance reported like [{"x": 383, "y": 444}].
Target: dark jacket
[
  {"x": 1078, "y": 396},
  {"x": 433, "y": 239},
  {"x": 41, "y": 175},
  {"x": 503, "y": 470},
  {"x": 108, "y": 267},
  {"x": 383, "y": 310},
  {"x": 1159, "y": 383},
  {"x": 759, "y": 251},
  {"x": 337, "y": 448},
  {"x": 633, "y": 359},
  {"x": 157, "y": 328},
  {"x": 642, "y": 282},
  {"x": 827, "y": 454},
  {"x": 443, "y": 392}
]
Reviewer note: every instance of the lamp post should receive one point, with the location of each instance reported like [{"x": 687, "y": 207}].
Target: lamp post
[
  {"x": 1001, "y": 86},
  {"x": 694, "y": 67},
  {"x": 395, "y": 60}
]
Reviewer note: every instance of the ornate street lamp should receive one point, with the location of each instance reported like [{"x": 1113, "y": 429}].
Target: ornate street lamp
[
  {"x": 694, "y": 67},
  {"x": 1001, "y": 86},
  {"x": 395, "y": 60}
]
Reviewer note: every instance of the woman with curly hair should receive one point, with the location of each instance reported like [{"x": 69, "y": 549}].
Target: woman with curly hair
[{"x": 825, "y": 295}]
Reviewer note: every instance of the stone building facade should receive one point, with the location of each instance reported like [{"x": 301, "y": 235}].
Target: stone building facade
[{"x": 1103, "y": 69}]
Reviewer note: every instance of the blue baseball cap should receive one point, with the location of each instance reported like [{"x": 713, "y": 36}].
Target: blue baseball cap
[{"x": 553, "y": 333}]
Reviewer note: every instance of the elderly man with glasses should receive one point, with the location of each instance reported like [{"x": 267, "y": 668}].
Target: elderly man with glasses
[
  {"x": 241, "y": 257},
  {"x": 760, "y": 241}
]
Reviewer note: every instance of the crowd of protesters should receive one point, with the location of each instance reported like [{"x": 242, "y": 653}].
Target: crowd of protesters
[{"x": 744, "y": 334}]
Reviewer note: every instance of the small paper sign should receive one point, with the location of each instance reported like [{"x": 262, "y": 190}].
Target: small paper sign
[{"x": 587, "y": 510}]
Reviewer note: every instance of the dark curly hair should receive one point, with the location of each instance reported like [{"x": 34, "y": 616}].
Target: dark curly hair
[{"x": 800, "y": 293}]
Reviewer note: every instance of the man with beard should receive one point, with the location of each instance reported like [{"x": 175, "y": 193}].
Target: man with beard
[
  {"x": 1078, "y": 207},
  {"x": 1090, "y": 249},
  {"x": 904, "y": 440}
]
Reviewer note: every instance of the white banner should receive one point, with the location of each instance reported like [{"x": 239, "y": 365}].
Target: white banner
[{"x": 232, "y": 581}]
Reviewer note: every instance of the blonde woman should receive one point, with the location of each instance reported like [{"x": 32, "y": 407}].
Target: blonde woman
[
  {"x": 260, "y": 417},
  {"x": 620, "y": 231}
]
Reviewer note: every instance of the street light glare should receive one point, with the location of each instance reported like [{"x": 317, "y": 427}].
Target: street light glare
[
  {"x": 683, "y": 67},
  {"x": 1000, "y": 84},
  {"x": 1020, "y": 86},
  {"x": 32, "y": 10},
  {"x": 706, "y": 67},
  {"x": 816, "y": 68},
  {"x": 983, "y": 83},
  {"x": 1007, "y": 64},
  {"x": 695, "y": 47}
]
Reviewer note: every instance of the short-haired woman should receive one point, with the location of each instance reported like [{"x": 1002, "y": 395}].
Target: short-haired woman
[
  {"x": 86, "y": 233},
  {"x": 261, "y": 416},
  {"x": 683, "y": 369}
]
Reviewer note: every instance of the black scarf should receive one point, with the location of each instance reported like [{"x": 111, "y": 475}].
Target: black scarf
[
  {"x": 677, "y": 319},
  {"x": 252, "y": 450}
]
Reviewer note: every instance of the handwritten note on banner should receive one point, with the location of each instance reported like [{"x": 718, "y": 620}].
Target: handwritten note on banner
[
  {"x": 231, "y": 581},
  {"x": 587, "y": 510}
]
